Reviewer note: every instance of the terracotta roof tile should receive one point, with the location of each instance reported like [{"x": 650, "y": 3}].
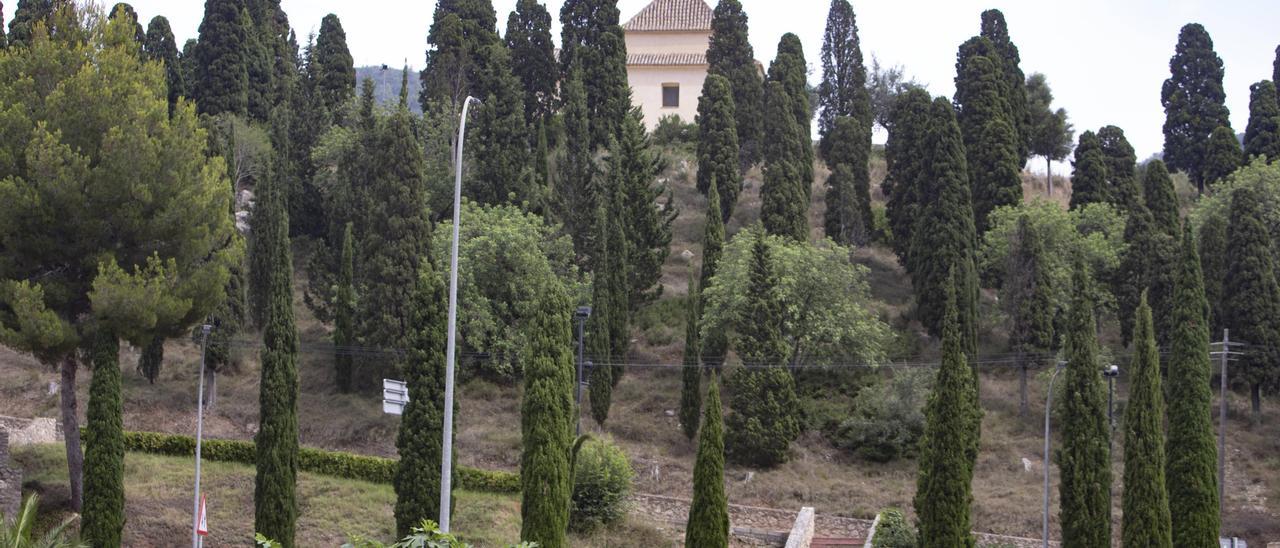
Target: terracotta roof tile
[
  {"x": 666, "y": 59},
  {"x": 672, "y": 15}
]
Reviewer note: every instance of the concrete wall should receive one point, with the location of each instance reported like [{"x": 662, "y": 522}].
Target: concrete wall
[
  {"x": 668, "y": 42},
  {"x": 646, "y": 90}
]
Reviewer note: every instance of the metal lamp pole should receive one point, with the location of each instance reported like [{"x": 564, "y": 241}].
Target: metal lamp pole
[
  {"x": 446, "y": 460},
  {"x": 581, "y": 315},
  {"x": 195, "y": 513},
  {"x": 1048, "y": 405}
]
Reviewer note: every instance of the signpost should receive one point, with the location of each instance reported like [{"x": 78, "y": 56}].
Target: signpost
[{"x": 395, "y": 395}]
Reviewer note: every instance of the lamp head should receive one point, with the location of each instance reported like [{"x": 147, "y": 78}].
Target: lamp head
[
  {"x": 1111, "y": 371},
  {"x": 583, "y": 312}
]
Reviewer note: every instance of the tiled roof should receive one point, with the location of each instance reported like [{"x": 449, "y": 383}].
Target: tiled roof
[
  {"x": 666, "y": 59},
  {"x": 672, "y": 15}
]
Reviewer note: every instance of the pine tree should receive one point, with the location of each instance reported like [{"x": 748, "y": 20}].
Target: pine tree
[
  {"x": 575, "y": 186},
  {"x": 1262, "y": 137},
  {"x": 1089, "y": 178},
  {"x": 333, "y": 70},
  {"x": 648, "y": 212},
  {"x": 1250, "y": 296},
  {"x": 151, "y": 359},
  {"x": 591, "y": 37},
  {"x": 714, "y": 344},
  {"x": 499, "y": 136},
  {"x": 718, "y": 149},
  {"x": 460, "y": 30},
  {"x": 1051, "y": 134},
  {"x": 1027, "y": 294},
  {"x": 691, "y": 373},
  {"x": 904, "y": 153},
  {"x": 533, "y": 59},
  {"x": 160, "y": 46},
  {"x": 708, "y": 525},
  {"x": 765, "y": 416},
  {"x": 1194, "y": 102},
  {"x": 274, "y": 502},
  {"x": 102, "y": 519},
  {"x": 784, "y": 207},
  {"x": 730, "y": 55},
  {"x": 222, "y": 59},
  {"x": 1213, "y": 265},
  {"x": 990, "y": 137},
  {"x": 1191, "y": 475},
  {"x": 1146, "y": 503},
  {"x": 943, "y": 484},
  {"x": 996, "y": 30},
  {"x": 1161, "y": 199},
  {"x": 843, "y": 91},
  {"x": 1084, "y": 457},
  {"x": 791, "y": 70},
  {"x": 419, "y": 443},
  {"x": 344, "y": 316},
  {"x": 1123, "y": 189},
  {"x": 546, "y": 420},
  {"x": 1222, "y": 155}
]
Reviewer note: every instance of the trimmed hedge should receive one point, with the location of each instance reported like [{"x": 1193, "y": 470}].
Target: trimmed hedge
[{"x": 329, "y": 463}]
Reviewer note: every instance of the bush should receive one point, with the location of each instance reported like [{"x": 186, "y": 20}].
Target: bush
[
  {"x": 887, "y": 418},
  {"x": 601, "y": 484},
  {"x": 673, "y": 131},
  {"x": 894, "y": 531}
]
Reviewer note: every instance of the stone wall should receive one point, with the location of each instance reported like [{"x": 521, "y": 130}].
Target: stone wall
[
  {"x": 10, "y": 481},
  {"x": 31, "y": 431}
]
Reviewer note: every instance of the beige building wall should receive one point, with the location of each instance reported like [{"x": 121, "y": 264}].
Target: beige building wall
[
  {"x": 646, "y": 90},
  {"x": 668, "y": 42}
]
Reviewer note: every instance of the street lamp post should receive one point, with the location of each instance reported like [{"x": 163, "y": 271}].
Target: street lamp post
[
  {"x": 581, "y": 315},
  {"x": 1048, "y": 406},
  {"x": 195, "y": 514},
  {"x": 446, "y": 457}
]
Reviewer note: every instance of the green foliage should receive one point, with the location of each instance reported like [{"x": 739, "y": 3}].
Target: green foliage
[
  {"x": 1194, "y": 102},
  {"x": 672, "y": 131},
  {"x": 731, "y": 56},
  {"x": 222, "y": 59},
  {"x": 533, "y": 59},
  {"x": 426, "y": 534},
  {"x": 1146, "y": 502},
  {"x": 28, "y": 13},
  {"x": 1213, "y": 265},
  {"x": 843, "y": 91},
  {"x": 591, "y": 39},
  {"x": 708, "y": 524},
  {"x": 905, "y": 153},
  {"x": 333, "y": 74},
  {"x": 1222, "y": 155},
  {"x": 1123, "y": 188},
  {"x": 1089, "y": 177},
  {"x": 500, "y": 137},
  {"x": 601, "y": 486},
  {"x": 1161, "y": 199},
  {"x": 1262, "y": 137},
  {"x": 344, "y": 312},
  {"x": 18, "y": 531},
  {"x": 990, "y": 131},
  {"x": 887, "y": 417},
  {"x": 691, "y": 372},
  {"x": 1250, "y": 295},
  {"x": 575, "y": 184},
  {"x": 996, "y": 30},
  {"x": 610, "y": 313},
  {"x": 719, "y": 155},
  {"x": 1191, "y": 472},
  {"x": 151, "y": 359},
  {"x": 1147, "y": 264},
  {"x": 646, "y": 212},
  {"x": 713, "y": 344},
  {"x": 103, "y": 513},
  {"x": 460, "y": 31},
  {"x": 784, "y": 208},
  {"x": 546, "y": 422},
  {"x": 848, "y": 219},
  {"x": 1050, "y": 134},
  {"x": 894, "y": 531},
  {"x": 160, "y": 46},
  {"x": 790, "y": 69},
  {"x": 1027, "y": 292}
]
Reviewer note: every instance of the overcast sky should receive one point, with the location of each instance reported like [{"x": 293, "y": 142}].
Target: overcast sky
[{"x": 1105, "y": 59}]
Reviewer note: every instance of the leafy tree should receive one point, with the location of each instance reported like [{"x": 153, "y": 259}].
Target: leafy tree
[
  {"x": 1250, "y": 296},
  {"x": 944, "y": 492},
  {"x": 991, "y": 140},
  {"x": 460, "y": 30},
  {"x": 730, "y": 55},
  {"x": 1191, "y": 474},
  {"x": 222, "y": 59},
  {"x": 344, "y": 316},
  {"x": 791, "y": 70},
  {"x": 843, "y": 91},
  {"x": 1161, "y": 199},
  {"x": 885, "y": 85},
  {"x": 708, "y": 525},
  {"x": 333, "y": 74},
  {"x": 996, "y": 30},
  {"x": 575, "y": 185},
  {"x": 1122, "y": 170},
  {"x": 691, "y": 372},
  {"x": 160, "y": 46},
  {"x": 713, "y": 344},
  {"x": 765, "y": 418},
  {"x": 718, "y": 149},
  {"x": 1222, "y": 155},
  {"x": 546, "y": 421},
  {"x": 1194, "y": 102},
  {"x": 1089, "y": 176},
  {"x": 103, "y": 515},
  {"x": 1084, "y": 457},
  {"x": 419, "y": 444},
  {"x": 533, "y": 59},
  {"x": 1027, "y": 294},
  {"x": 784, "y": 208},
  {"x": 1262, "y": 137},
  {"x": 499, "y": 135},
  {"x": 1050, "y": 134},
  {"x": 591, "y": 37},
  {"x": 904, "y": 153},
  {"x": 648, "y": 211},
  {"x": 1146, "y": 502}
]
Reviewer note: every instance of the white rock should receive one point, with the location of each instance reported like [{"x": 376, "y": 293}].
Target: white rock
[
  {"x": 1026, "y": 464},
  {"x": 687, "y": 255}
]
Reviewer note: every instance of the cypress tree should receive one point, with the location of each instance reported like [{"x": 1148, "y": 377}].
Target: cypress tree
[
  {"x": 262, "y": 227},
  {"x": 276, "y": 443},
  {"x": 1027, "y": 292},
  {"x": 1213, "y": 265},
  {"x": 690, "y": 374},
  {"x": 851, "y": 222},
  {"x": 541, "y": 163},
  {"x": 600, "y": 386},
  {"x": 575, "y": 189},
  {"x": 151, "y": 359},
  {"x": 460, "y": 30},
  {"x": 646, "y": 224},
  {"x": 791, "y": 70},
  {"x": 1262, "y": 137},
  {"x": 533, "y": 59},
  {"x": 160, "y": 46},
  {"x": 227, "y": 321},
  {"x": 500, "y": 136},
  {"x": 990, "y": 136},
  {"x": 1084, "y": 457},
  {"x": 904, "y": 153},
  {"x": 843, "y": 91},
  {"x": 1146, "y": 503},
  {"x": 730, "y": 55},
  {"x": 718, "y": 151},
  {"x": 222, "y": 59},
  {"x": 1250, "y": 296},
  {"x": 546, "y": 420},
  {"x": 1275, "y": 67},
  {"x": 4, "y": 40},
  {"x": 1148, "y": 263},
  {"x": 419, "y": 444},
  {"x": 333, "y": 69},
  {"x": 843, "y": 220},
  {"x": 1222, "y": 155},
  {"x": 1089, "y": 176},
  {"x": 618, "y": 269},
  {"x": 784, "y": 207},
  {"x": 1161, "y": 199},
  {"x": 996, "y": 30},
  {"x": 708, "y": 525},
  {"x": 25, "y": 16},
  {"x": 102, "y": 517},
  {"x": 1194, "y": 102},
  {"x": 943, "y": 484},
  {"x": 765, "y": 417},
  {"x": 591, "y": 37},
  {"x": 714, "y": 344},
  {"x": 344, "y": 316},
  {"x": 123, "y": 9},
  {"x": 1122, "y": 170},
  {"x": 1191, "y": 474}
]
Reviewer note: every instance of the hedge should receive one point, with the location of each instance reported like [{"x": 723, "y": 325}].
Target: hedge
[{"x": 329, "y": 463}]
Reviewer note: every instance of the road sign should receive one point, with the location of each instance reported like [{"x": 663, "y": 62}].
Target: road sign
[
  {"x": 203, "y": 528},
  {"x": 395, "y": 395}
]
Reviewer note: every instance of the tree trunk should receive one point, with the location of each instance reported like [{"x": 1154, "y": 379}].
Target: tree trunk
[
  {"x": 1255, "y": 397},
  {"x": 1022, "y": 392},
  {"x": 71, "y": 431},
  {"x": 1048, "y": 173}
]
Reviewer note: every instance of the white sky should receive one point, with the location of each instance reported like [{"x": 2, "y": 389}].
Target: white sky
[{"x": 1104, "y": 59}]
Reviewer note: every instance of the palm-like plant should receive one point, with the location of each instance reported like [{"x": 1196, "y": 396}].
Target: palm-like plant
[{"x": 20, "y": 533}]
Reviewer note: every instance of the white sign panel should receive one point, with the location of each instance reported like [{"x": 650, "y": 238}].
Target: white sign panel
[{"x": 395, "y": 394}]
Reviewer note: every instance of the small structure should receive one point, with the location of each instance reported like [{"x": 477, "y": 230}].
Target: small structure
[
  {"x": 10, "y": 481},
  {"x": 667, "y": 57}
]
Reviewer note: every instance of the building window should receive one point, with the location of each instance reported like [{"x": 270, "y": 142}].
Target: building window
[{"x": 670, "y": 95}]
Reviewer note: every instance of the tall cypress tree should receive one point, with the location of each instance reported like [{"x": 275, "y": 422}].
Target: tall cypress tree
[
  {"x": 4, "y": 40},
  {"x": 1123, "y": 189},
  {"x": 546, "y": 421},
  {"x": 575, "y": 186},
  {"x": 847, "y": 218},
  {"x": 1027, "y": 294},
  {"x": 1146, "y": 502},
  {"x": 25, "y": 16},
  {"x": 1161, "y": 199},
  {"x": 1191, "y": 475},
  {"x": 222, "y": 58},
  {"x": 714, "y": 344},
  {"x": 333, "y": 70},
  {"x": 124, "y": 9},
  {"x": 618, "y": 269},
  {"x": 1262, "y": 137},
  {"x": 1222, "y": 155},
  {"x": 533, "y": 59},
  {"x": 1250, "y": 296},
  {"x": 784, "y": 207},
  {"x": 718, "y": 150},
  {"x": 102, "y": 520},
  {"x": 1084, "y": 457},
  {"x": 262, "y": 265},
  {"x": 276, "y": 444},
  {"x": 151, "y": 359},
  {"x": 730, "y": 55},
  {"x": 460, "y": 30},
  {"x": 160, "y": 46},
  {"x": 344, "y": 315},
  {"x": 1213, "y": 265},
  {"x": 843, "y": 91},
  {"x": 419, "y": 443},
  {"x": 943, "y": 484},
  {"x": 1147, "y": 264},
  {"x": 904, "y": 153},
  {"x": 708, "y": 525},
  {"x": 499, "y": 135},
  {"x": 996, "y": 30},
  {"x": 598, "y": 343},
  {"x": 646, "y": 224},
  {"x": 591, "y": 37},
  {"x": 691, "y": 373},
  {"x": 791, "y": 70},
  {"x": 1194, "y": 102},
  {"x": 1089, "y": 177},
  {"x": 990, "y": 136}
]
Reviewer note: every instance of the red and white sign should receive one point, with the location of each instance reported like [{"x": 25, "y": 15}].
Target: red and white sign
[{"x": 203, "y": 528}]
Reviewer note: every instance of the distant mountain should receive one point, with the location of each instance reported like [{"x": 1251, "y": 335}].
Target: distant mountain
[{"x": 386, "y": 85}]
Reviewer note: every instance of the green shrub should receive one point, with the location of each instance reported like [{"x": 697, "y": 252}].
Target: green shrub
[
  {"x": 887, "y": 418},
  {"x": 894, "y": 531},
  {"x": 673, "y": 131},
  {"x": 601, "y": 484}
]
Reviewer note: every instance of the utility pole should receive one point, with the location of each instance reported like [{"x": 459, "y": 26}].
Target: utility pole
[
  {"x": 1224, "y": 356},
  {"x": 1048, "y": 408},
  {"x": 195, "y": 514}
]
